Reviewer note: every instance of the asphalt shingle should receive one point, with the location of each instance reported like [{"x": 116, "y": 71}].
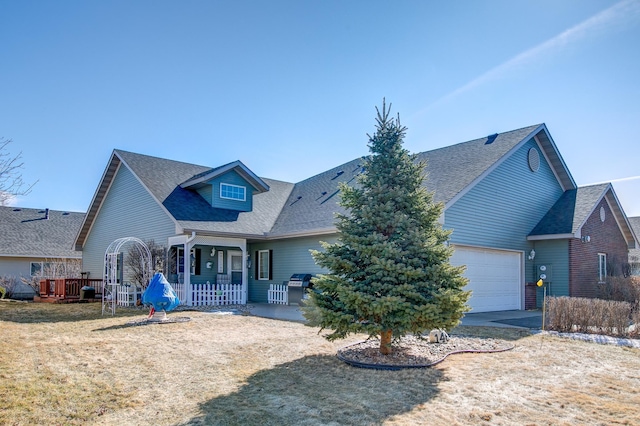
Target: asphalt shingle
[
  {"x": 570, "y": 211},
  {"x": 27, "y": 232}
]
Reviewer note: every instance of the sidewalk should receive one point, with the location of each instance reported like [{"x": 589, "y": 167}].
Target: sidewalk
[{"x": 515, "y": 319}]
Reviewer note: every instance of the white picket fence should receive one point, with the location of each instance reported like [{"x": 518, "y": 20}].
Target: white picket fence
[
  {"x": 210, "y": 294},
  {"x": 278, "y": 294},
  {"x": 126, "y": 295}
]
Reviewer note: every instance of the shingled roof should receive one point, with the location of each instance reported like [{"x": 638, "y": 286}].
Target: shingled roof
[
  {"x": 164, "y": 180},
  {"x": 450, "y": 172},
  {"x": 38, "y": 232},
  {"x": 567, "y": 216},
  {"x": 282, "y": 209}
]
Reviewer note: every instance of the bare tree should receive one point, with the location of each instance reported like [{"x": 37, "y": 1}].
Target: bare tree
[
  {"x": 54, "y": 268},
  {"x": 8, "y": 285},
  {"x": 11, "y": 183},
  {"x": 135, "y": 265}
]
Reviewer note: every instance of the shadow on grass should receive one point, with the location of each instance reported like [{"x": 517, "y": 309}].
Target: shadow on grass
[
  {"x": 321, "y": 390},
  {"x": 34, "y": 313}
]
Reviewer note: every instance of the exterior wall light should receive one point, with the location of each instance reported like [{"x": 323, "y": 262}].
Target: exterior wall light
[{"x": 532, "y": 254}]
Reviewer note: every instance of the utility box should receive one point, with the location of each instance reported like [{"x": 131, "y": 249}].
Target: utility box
[{"x": 87, "y": 293}]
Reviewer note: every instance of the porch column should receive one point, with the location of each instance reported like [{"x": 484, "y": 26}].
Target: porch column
[
  {"x": 186, "y": 259},
  {"x": 245, "y": 273}
]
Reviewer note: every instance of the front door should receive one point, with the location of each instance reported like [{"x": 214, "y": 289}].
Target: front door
[{"x": 235, "y": 266}]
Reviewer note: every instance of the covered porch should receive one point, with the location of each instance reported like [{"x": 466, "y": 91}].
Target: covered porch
[{"x": 207, "y": 270}]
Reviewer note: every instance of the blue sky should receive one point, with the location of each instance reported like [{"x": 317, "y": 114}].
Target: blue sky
[{"x": 290, "y": 87}]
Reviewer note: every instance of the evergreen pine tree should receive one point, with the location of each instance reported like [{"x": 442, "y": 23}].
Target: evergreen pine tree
[{"x": 389, "y": 270}]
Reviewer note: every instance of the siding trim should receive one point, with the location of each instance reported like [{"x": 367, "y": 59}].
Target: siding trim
[{"x": 100, "y": 204}]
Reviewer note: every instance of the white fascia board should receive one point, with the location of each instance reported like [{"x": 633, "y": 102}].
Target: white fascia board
[
  {"x": 620, "y": 217},
  {"x": 557, "y": 152},
  {"x": 551, "y": 237},
  {"x": 255, "y": 181},
  {"x": 308, "y": 233},
  {"x": 101, "y": 202}
]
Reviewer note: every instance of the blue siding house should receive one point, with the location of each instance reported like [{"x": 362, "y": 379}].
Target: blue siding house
[{"x": 509, "y": 199}]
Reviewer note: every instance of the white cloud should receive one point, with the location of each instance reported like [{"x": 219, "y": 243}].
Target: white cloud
[
  {"x": 626, "y": 179},
  {"x": 611, "y": 19}
]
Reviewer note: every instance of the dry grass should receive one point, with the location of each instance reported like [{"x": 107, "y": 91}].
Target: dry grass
[{"x": 67, "y": 365}]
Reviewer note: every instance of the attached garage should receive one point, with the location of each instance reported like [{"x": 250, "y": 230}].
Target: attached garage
[{"x": 495, "y": 277}]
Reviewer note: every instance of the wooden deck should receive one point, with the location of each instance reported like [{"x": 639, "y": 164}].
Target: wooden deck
[{"x": 67, "y": 290}]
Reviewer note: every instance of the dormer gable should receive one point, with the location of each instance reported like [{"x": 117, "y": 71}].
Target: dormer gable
[{"x": 231, "y": 186}]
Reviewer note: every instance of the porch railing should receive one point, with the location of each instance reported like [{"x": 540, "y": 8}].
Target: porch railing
[
  {"x": 278, "y": 294},
  {"x": 209, "y": 294}
]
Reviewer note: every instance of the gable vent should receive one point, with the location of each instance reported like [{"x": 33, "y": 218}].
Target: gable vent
[{"x": 534, "y": 160}]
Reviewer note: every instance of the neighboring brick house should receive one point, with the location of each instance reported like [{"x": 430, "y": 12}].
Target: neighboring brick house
[{"x": 591, "y": 222}]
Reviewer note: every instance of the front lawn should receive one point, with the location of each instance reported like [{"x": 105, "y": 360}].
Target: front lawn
[{"x": 67, "y": 365}]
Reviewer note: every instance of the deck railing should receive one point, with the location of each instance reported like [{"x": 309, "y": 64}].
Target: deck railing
[{"x": 66, "y": 288}]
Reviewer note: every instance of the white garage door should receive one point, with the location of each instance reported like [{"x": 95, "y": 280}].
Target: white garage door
[{"x": 494, "y": 277}]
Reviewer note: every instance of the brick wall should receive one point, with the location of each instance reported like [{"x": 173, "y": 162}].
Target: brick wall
[{"x": 583, "y": 256}]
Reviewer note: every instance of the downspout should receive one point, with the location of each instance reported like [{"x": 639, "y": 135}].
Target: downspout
[{"x": 187, "y": 267}]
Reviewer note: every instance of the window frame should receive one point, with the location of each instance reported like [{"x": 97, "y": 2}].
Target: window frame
[
  {"x": 40, "y": 270},
  {"x": 194, "y": 264},
  {"x": 602, "y": 267},
  {"x": 43, "y": 266},
  {"x": 231, "y": 193},
  {"x": 261, "y": 267}
]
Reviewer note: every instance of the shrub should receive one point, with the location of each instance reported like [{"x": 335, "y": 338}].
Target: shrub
[
  {"x": 2, "y": 292},
  {"x": 623, "y": 289},
  {"x": 8, "y": 284},
  {"x": 634, "y": 330},
  {"x": 576, "y": 314}
]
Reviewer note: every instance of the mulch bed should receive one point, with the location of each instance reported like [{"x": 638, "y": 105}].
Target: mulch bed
[{"x": 415, "y": 352}]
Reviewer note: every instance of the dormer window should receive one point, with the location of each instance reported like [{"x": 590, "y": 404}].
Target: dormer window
[{"x": 233, "y": 192}]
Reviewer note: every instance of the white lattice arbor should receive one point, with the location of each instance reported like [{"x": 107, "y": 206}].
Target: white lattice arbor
[{"x": 111, "y": 276}]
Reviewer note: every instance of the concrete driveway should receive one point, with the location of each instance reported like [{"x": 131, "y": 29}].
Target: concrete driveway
[{"x": 517, "y": 319}]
